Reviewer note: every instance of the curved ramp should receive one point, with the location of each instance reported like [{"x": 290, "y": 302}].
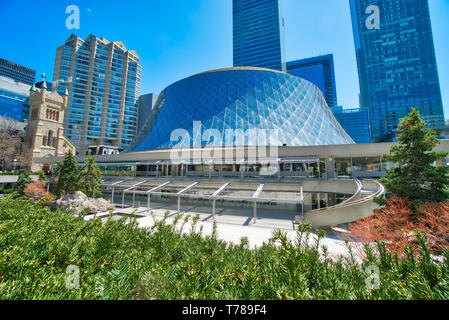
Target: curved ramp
[{"x": 359, "y": 206}]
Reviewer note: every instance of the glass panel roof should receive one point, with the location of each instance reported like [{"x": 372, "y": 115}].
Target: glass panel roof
[
  {"x": 232, "y": 191},
  {"x": 240, "y": 190},
  {"x": 288, "y": 103},
  {"x": 204, "y": 189}
]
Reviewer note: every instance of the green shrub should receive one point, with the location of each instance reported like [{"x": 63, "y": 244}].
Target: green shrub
[
  {"x": 119, "y": 260},
  {"x": 23, "y": 180},
  {"x": 41, "y": 175}
]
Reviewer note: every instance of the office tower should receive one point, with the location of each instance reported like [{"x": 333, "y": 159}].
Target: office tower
[
  {"x": 145, "y": 106},
  {"x": 103, "y": 81},
  {"x": 14, "y": 99},
  {"x": 355, "y": 121},
  {"x": 258, "y": 31},
  {"x": 319, "y": 71},
  {"x": 17, "y": 72},
  {"x": 396, "y": 62}
]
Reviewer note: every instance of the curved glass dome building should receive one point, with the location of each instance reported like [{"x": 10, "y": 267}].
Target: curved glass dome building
[{"x": 195, "y": 111}]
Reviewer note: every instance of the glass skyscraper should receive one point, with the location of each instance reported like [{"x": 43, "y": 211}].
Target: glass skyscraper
[
  {"x": 396, "y": 63},
  {"x": 319, "y": 71},
  {"x": 14, "y": 99},
  {"x": 145, "y": 104},
  {"x": 355, "y": 121},
  {"x": 103, "y": 82},
  {"x": 258, "y": 33},
  {"x": 17, "y": 72}
]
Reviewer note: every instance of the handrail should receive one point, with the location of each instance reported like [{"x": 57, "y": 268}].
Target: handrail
[
  {"x": 356, "y": 194},
  {"x": 380, "y": 191}
]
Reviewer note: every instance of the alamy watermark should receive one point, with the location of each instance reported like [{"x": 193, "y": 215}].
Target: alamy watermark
[
  {"x": 73, "y": 20},
  {"x": 373, "y": 20},
  {"x": 73, "y": 280},
  {"x": 213, "y": 146},
  {"x": 373, "y": 280}
]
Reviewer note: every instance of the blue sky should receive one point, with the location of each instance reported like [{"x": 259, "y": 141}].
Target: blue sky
[{"x": 178, "y": 38}]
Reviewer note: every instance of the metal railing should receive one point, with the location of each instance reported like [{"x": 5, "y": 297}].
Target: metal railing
[{"x": 380, "y": 190}]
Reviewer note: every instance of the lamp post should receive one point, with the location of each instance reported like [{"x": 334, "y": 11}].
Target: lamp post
[{"x": 15, "y": 163}]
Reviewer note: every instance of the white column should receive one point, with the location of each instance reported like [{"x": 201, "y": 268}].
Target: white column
[
  {"x": 255, "y": 211},
  {"x": 134, "y": 198}
]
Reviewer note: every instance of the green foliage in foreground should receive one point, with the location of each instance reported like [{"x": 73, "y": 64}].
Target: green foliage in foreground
[{"x": 118, "y": 260}]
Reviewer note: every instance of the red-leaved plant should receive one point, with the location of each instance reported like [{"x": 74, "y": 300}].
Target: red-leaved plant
[
  {"x": 36, "y": 190},
  {"x": 396, "y": 222}
]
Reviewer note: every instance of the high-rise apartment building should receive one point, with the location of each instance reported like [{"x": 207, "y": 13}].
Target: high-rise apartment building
[
  {"x": 258, "y": 31},
  {"x": 103, "y": 81},
  {"x": 396, "y": 62},
  {"x": 17, "y": 72},
  {"x": 319, "y": 71}
]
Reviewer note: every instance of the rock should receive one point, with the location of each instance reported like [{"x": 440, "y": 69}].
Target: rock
[
  {"x": 78, "y": 201},
  {"x": 437, "y": 259}
]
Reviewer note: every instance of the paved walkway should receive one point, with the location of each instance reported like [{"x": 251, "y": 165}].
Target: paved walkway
[
  {"x": 13, "y": 179},
  {"x": 232, "y": 224}
]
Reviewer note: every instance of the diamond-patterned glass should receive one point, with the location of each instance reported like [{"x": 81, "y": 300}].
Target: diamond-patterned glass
[{"x": 243, "y": 99}]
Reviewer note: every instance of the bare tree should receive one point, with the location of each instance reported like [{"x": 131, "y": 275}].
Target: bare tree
[
  {"x": 12, "y": 145},
  {"x": 11, "y": 124}
]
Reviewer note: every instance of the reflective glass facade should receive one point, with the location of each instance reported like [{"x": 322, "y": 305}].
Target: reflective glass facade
[
  {"x": 103, "y": 81},
  {"x": 258, "y": 34},
  {"x": 355, "y": 122},
  {"x": 14, "y": 99},
  {"x": 319, "y": 71},
  {"x": 245, "y": 99},
  {"x": 396, "y": 63},
  {"x": 145, "y": 104},
  {"x": 17, "y": 72}
]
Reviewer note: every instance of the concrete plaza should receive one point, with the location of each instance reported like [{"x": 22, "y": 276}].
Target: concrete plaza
[{"x": 232, "y": 224}]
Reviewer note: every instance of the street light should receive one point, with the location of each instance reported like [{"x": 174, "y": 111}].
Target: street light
[{"x": 15, "y": 163}]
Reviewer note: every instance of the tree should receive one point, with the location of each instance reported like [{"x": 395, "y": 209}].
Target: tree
[
  {"x": 23, "y": 181},
  {"x": 12, "y": 144},
  {"x": 416, "y": 177},
  {"x": 10, "y": 124},
  {"x": 67, "y": 173},
  {"x": 90, "y": 178},
  {"x": 396, "y": 223}
]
